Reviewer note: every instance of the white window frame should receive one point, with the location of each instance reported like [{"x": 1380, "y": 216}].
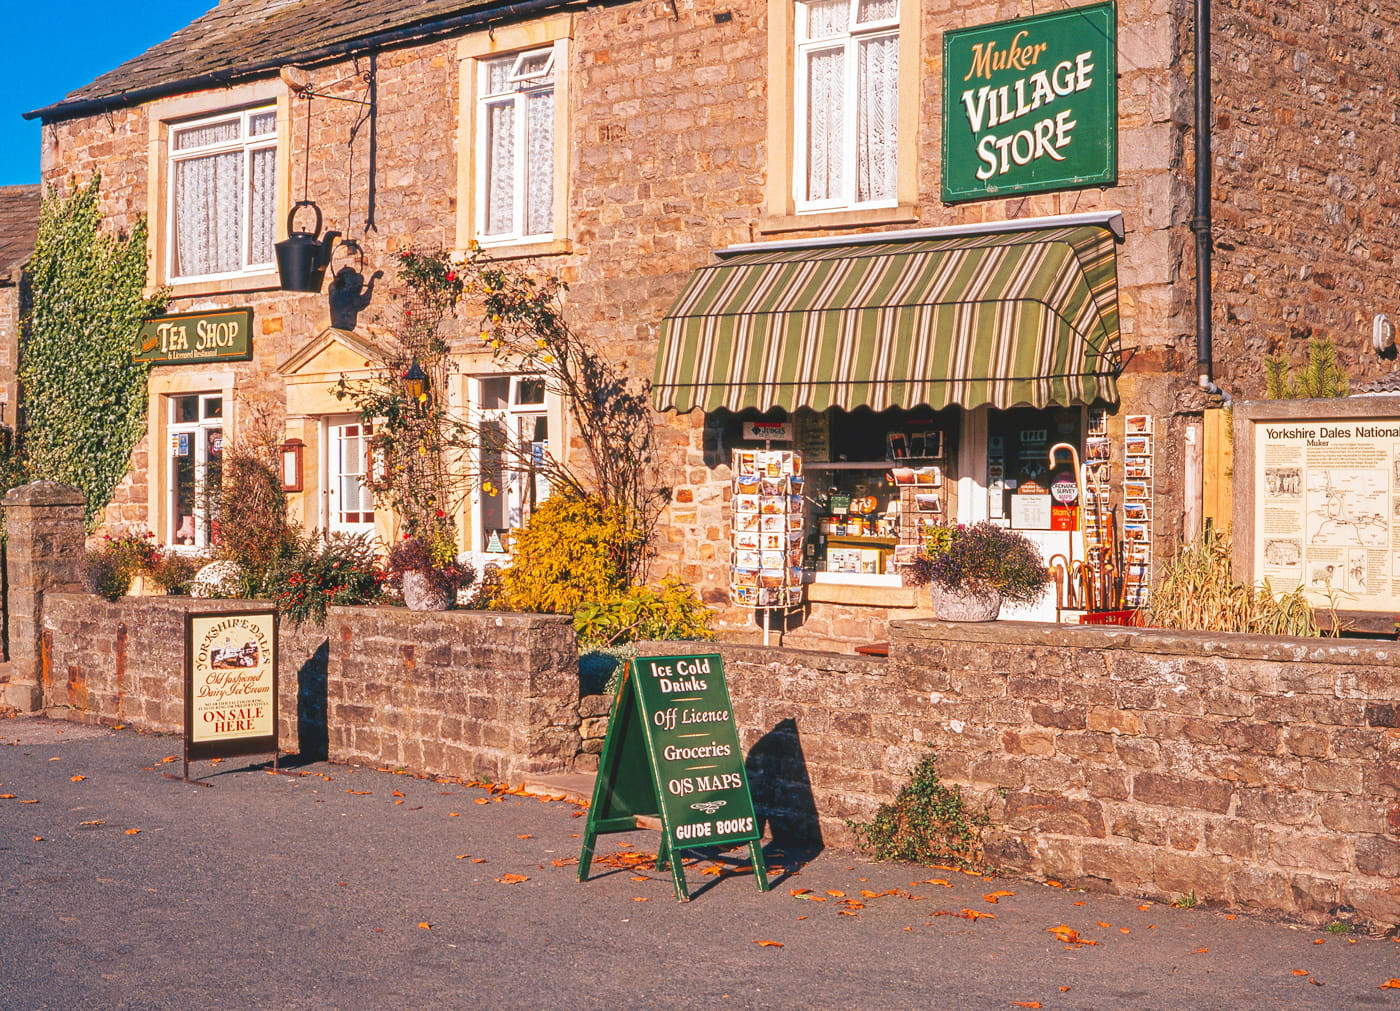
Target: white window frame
[
  {"x": 198, "y": 433},
  {"x": 510, "y": 490},
  {"x": 333, "y": 470},
  {"x": 524, "y": 82},
  {"x": 246, "y": 144},
  {"x": 849, "y": 43}
]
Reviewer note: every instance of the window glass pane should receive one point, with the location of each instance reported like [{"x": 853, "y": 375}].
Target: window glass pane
[
  {"x": 262, "y": 123},
  {"x": 206, "y": 133},
  {"x": 500, "y": 169},
  {"x": 262, "y": 203},
  {"x": 868, "y": 11},
  {"x": 539, "y": 195},
  {"x": 877, "y": 128},
  {"x": 184, "y": 410},
  {"x": 534, "y": 67},
  {"x": 825, "y": 18},
  {"x": 213, "y": 407},
  {"x": 826, "y": 96},
  {"x": 495, "y": 393},
  {"x": 498, "y": 75},
  {"x": 529, "y": 391},
  {"x": 208, "y": 197}
]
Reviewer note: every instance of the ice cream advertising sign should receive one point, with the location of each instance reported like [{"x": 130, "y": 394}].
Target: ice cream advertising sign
[{"x": 231, "y": 684}]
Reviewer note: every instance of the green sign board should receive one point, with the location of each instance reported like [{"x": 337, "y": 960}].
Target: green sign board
[
  {"x": 192, "y": 338},
  {"x": 672, "y": 752},
  {"x": 1031, "y": 105}
]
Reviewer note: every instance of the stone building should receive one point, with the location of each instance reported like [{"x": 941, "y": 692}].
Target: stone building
[
  {"x": 919, "y": 243},
  {"x": 19, "y": 224}
]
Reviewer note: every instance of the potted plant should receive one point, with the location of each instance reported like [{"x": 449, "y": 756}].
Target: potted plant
[
  {"x": 971, "y": 570},
  {"x": 425, "y": 567}
]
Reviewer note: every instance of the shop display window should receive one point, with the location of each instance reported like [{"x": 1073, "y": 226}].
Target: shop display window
[{"x": 1020, "y": 478}]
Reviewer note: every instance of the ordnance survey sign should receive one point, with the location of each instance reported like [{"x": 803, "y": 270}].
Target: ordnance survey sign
[
  {"x": 230, "y": 684},
  {"x": 672, "y": 751},
  {"x": 1031, "y": 105},
  {"x": 1327, "y": 510}
]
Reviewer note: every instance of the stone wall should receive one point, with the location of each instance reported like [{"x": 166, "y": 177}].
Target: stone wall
[
  {"x": 124, "y": 662},
  {"x": 1259, "y": 773},
  {"x": 475, "y": 694}
]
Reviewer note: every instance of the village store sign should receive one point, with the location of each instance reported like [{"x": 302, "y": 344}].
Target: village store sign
[
  {"x": 1031, "y": 105},
  {"x": 194, "y": 338}
]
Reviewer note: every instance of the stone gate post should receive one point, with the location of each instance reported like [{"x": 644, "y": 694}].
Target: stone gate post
[{"x": 44, "y": 550}]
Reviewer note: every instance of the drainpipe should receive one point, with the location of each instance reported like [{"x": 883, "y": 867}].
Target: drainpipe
[{"x": 1200, "y": 224}]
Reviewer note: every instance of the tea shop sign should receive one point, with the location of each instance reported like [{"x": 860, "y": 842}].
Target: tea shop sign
[
  {"x": 1031, "y": 105},
  {"x": 193, "y": 338}
]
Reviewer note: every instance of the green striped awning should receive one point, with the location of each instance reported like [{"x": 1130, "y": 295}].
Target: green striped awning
[{"x": 1002, "y": 318}]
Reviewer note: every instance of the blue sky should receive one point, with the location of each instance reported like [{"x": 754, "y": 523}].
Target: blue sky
[{"x": 54, "y": 47}]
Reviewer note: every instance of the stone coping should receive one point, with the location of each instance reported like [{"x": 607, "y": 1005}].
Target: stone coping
[{"x": 908, "y": 633}]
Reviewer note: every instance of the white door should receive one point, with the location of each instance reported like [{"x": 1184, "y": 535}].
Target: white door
[{"x": 349, "y": 500}]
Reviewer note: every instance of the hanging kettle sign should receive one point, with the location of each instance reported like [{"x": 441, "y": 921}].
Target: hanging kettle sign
[{"x": 302, "y": 257}]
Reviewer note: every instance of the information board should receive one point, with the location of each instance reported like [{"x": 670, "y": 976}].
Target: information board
[
  {"x": 230, "y": 684},
  {"x": 672, "y": 752}
]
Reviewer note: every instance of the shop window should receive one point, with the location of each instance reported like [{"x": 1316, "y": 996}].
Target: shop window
[
  {"x": 513, "y": 422},
  {"x": 349, "y": 498},
  {"x": 1020, "y": 479},
  {"x": 195, "y": 433},
  {"x": 222, "y": 195},
  {"x": 847, "y": 103},
  {"x": 516, "y": 147}
]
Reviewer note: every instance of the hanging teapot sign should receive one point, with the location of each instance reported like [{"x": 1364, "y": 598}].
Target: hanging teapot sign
[{"x": 302, "y": 257}]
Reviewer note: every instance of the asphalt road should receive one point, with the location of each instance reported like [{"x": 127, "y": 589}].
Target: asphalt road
[{"x": 344, "y": 887}]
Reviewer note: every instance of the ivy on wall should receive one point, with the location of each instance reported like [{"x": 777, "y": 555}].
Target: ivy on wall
[{"x": 84, "y": 398}]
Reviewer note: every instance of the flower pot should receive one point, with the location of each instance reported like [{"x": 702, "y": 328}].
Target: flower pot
[
  {"x": 951, "y": 604},
  {"x": 426, "y": 591}
]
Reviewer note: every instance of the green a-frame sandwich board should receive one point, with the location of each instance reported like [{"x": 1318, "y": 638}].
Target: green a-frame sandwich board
[{"x": 672, "y": 752}]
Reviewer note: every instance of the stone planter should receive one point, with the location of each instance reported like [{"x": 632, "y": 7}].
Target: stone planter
[
  {"x": 964, "y": 605},
  {"x": 426, "y": 591}
]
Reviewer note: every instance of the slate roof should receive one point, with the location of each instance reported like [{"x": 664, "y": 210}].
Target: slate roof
[
  {"x": 243, "y": 39},
  {"x": 1385, "y": 384},
  {"x": 19, "y": 224}
]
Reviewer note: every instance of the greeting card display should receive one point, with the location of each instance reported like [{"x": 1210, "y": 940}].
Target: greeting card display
[{"x": 766, "y": 529}]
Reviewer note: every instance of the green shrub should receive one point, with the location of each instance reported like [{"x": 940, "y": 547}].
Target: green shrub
[
  {"x": 926, "y": 823},
  {"x": 574, "y": 549},
  {"x": 173, "y": 571},
  {"x": 668, "y": 611},
  {"x": 254, "y": 530},
  {"x": 109, "y": 568},
  {"x": 321, "y": 571}
]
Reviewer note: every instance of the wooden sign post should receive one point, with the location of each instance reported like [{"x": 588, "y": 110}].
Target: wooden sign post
[
  {"x": 672, "y": 752},
  {"x": 230, "y": 686}
]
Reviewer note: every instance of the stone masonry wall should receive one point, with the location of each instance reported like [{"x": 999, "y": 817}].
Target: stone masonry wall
[
  {"x": 1258, "y": 773},
  {"x": 475, "y": 694},
  {"x": 124, "y": 662}
]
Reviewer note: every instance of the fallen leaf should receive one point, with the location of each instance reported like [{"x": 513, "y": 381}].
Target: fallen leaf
[
  {"x": 453, "y": 814},
  {"x": 397, "y": 793},
  {"x": 215, "y": 761},
  {"x": 38, "y": 838},
  {"x": 1069, "y": 935},
  {"x": 639, "y": 898},
  {"x": 713, "y": 871},
  {"x": 478, "y": 860},
  {"x": 639, "y": 878},
  {"x": 1390, "y": 984},
  {"x": 1201, "y": 951},
  {"x": 398, "y": 802},
  {"x": 847, "y": 912},
  {"x": 29, "y": 802},
  {"x": 482, "y": 800},
  {"x": 133, "y": 831},
  {"x": 799, "y": 891},
  {"x": 1079, "y": 903},
  {"x": 1124, "y": 930},
  {"x": 462, "y": 856},
  {"x": 512, "y": 879},
  {"x": 76, "y": 779},
  {"x": 1025, "y": 1003},
  {"x": 933, "y": 881},
  {"x": 91, "y": 824},
  {"x": 835, "y": 894},
  {"x": 360, "y": 793},
  {"x": 1064, "y": 989},
  {"x": 169, "y": 758},
  {"x": 875, "y": 895},
  {"x": 1055, "y": 884},
  {"x": 769, "y": 944},
  {"x": 1229, "y": 916},
  {"x": 1105, "y": 926},
  {"x": 803, "y": 916},
  {"x": 425, "y": 925},
  {"x": 995, "y": 897},
  {"x": 566, "y": 861},
  {"x": 1320, "y": 940},
  {"x": 527, "y": 835},
  {"x": 972, "y": 914},
  {"x": 1300, "y": 972},
  {"x": 7, "y": 796}
]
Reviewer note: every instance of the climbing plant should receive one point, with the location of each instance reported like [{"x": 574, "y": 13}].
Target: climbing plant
[
  {"x": 1322, "y": 375},
  {"x": 84, "y": 398}
]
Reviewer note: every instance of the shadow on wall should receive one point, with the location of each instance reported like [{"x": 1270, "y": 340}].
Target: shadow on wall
[
  {"x": 782, "y": 791},
  {"x": 312, "y": 736}
]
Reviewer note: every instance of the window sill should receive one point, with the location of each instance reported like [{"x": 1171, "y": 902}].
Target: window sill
[
  {"x": 904, "y": 214},
  {"x": 865, "y": 595},
  {"x": 226, "y": 285},
  {"x": 522, "y": 250}
]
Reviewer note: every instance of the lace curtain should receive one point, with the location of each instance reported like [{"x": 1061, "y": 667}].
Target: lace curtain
[
  {"x": 208, "y": 214},
  {"x": 877, "y": 125},
  {"x": 500, "y": 169},
  {"x": 539, "y": 169},
  {"x": 826, "y": 118}
]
